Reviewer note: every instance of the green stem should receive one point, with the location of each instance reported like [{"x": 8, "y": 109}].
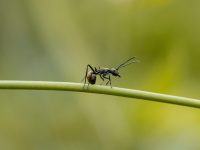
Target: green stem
[{"x": 78, "y": 87}]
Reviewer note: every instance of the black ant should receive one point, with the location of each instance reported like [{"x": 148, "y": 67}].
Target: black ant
[{"x": 105, "y": 73}]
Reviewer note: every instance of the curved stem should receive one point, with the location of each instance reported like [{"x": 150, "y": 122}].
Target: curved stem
[{"x": 78, "y": 87}]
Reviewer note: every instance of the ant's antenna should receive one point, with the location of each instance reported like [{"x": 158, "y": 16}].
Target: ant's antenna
[{"x": 128, "y": 62}]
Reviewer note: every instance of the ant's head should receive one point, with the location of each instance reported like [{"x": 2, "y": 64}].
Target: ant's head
[{"x": 114, "y": 72}]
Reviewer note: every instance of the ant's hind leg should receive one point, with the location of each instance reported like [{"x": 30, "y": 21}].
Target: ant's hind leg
[
  {"x": 109, "y": 81},
  {"x": 85, "y": 76},
  {"x": 101, "y": 79}
]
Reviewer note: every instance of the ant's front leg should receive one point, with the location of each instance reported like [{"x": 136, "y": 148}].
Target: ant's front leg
[{"x": 85, "y": 76}]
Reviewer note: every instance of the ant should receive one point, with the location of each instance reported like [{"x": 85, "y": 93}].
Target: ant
[{"x": 105, "y": 73}]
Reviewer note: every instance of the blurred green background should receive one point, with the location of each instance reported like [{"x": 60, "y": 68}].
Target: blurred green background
[{"x": 55, "y": 40}]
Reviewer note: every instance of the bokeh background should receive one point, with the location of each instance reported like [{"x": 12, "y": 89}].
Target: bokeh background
[{"x": 52, "y": 40}]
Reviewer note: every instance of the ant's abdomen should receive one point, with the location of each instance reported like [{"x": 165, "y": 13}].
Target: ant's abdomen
[{"x": 91, "y": 77}]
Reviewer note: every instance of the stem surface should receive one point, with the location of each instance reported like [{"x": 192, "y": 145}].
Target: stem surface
[{"x": 78, "y": 87}]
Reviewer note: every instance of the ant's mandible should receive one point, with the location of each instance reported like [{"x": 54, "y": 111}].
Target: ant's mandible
[{"x": 105, "y": 73}]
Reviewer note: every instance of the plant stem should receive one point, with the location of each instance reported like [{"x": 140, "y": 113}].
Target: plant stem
[{"x": 78, "y": 87}]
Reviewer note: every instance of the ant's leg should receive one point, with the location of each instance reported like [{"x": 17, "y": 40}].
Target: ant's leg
[
  {"x": 86, "y": 74},
  {"x": 104, "y": 76},
  {"x": 109, "y": 80},
  {"x": 95, "y": 69},
  {"x": 85, "y": 78},
  {"x": 101, "y": 79},
  {"x": 91, "y": 68}
]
